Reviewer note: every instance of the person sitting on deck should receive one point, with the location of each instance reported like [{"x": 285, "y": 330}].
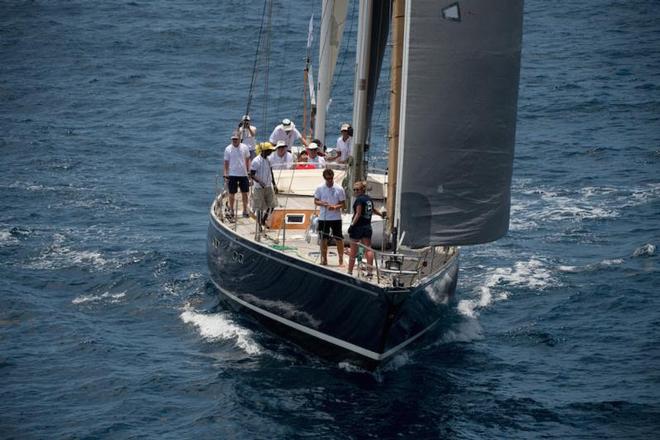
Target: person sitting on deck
[
  {"x": 282, "y": 159},
  {"x": 331, "y": 198},
  {"x": 286, "y": 132},
  {"x": 360, "y": 229},
  {"x": 263, "y": 194},
  {"x": 237, "y": 162},
  {"x": 314, "y": 157},
  {"x": 344, "y": 147},
  {"x": 301, "y": 162}
]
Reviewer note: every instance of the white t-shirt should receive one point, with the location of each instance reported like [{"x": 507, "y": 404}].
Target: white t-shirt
[
  {"x": 344, "y": 149},
  {"x": 261, "y": 166},
  {"x": 279, "y": 134},
  {"x": 248, "y": 139},
  {"x": 281, "y": 163},
  {"x": 236, "y": 157},
  {"x": 333, "y": 195},
  {"x": 318, "y": 161}
]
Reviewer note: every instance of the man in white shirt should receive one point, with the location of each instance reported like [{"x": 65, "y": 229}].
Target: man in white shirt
[
  {"x": 331, "y": 198},
  {"x": 263, "y": 194},
  {"x": 286, "y": 132},
  {"x": 282, "y": 159},
  {"x": 344, "y": 146},
  {"x": 248, "y": 134},
  {"x": 237, "y": 162},
  {"x": 313, "y": 156}
]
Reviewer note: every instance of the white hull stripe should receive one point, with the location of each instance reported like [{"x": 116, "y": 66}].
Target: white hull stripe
[{"x": 331, "y": 339}]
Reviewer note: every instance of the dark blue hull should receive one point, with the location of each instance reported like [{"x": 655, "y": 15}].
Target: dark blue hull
[{"x": 326, "y": 312}]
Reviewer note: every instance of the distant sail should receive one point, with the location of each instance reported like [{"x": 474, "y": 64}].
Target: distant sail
[{"x": 459, "y": 103}]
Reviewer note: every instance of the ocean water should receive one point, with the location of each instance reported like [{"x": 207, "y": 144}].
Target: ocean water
[{"x": 113, "y": 116}]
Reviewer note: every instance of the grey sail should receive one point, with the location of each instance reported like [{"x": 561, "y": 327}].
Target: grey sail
[{"x": 458, "y": 119}]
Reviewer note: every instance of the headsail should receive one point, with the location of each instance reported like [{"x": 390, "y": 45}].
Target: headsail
[
  {"x": 461, "y": 67},
  {"x": 333, "y": 17}
]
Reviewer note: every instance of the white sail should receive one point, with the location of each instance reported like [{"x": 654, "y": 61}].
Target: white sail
[
  {"x": 333, "y": 18},
  {"x": 461, "y": 65}
]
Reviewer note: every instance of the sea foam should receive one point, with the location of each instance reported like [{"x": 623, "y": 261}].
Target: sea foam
[{"x": 219, "y": 327}]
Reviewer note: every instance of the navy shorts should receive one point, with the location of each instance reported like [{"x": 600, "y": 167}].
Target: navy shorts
[
  {"x": 359, "y": 232},
  {"x": 325, "y": 226},
  {"x": 234, "y": 182}
]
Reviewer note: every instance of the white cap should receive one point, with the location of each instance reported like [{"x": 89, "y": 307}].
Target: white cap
[
  {"x": 235, "y": 135},
  {"x": 287, "y": 124},
  {"x": 313, "y": 146},
  {"x": 246, "y": 117},
  {"x": 345, "y": 127},
  {"x": 280, "y": 144}
]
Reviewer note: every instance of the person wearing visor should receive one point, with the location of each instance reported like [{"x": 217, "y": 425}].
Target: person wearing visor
[{"x": 360, "y": 230}]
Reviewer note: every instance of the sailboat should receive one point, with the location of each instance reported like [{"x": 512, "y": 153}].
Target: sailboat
[{"x": 454, "y": 87}]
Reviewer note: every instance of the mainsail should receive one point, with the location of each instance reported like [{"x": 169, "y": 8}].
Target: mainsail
[{"x": 461, "y": 66}]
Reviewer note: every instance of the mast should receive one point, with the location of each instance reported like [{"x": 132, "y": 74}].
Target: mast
[
  {"x": 398, "y": 12},
  {"x": 360, "y": 91}
]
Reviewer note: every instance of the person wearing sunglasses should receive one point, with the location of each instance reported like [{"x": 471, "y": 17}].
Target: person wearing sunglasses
[{"x": 360, "y": 229}]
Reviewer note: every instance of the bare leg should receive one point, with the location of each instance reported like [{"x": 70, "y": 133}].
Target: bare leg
[
  {"x": 351, "y": 257},
  {"x": 324, "y": 252},
  {"x": 244, "y": 195},
  {"x": 370, "y": 255},
  {"x": 340, "y": 250},
  {"x": 232, "y": 198}
]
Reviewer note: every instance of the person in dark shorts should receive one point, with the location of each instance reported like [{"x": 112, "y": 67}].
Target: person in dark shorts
[
  {"x": 331, "y": 198},
  {"x": 360, "y": 229},
  {"x": 237, "y": 164}
]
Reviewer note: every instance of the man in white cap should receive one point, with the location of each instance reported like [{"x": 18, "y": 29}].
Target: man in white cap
[
  {"x": 282, "y": 159},
  {"x": 248, "y": 134},
  {"x": 237, "y": 163},
  {"x": 313, "y": 156},
  {"x": 344, "y": 146},
  {"x": 263, "y": 194},
  {"x": 288, "y": 133}
]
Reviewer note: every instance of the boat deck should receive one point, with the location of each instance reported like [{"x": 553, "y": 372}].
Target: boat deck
[{"x": 299, "y": 240}]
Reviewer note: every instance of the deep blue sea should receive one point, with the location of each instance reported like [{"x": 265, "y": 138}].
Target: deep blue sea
[{"x": 113, "y": 117}]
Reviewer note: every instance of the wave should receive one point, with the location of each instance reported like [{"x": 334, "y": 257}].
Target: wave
[
  {"x": 647, "y": 250},
  {"x": 7, "y": 238},
  {"x": 532, "y": 274},
  {"x": 534, "y": 207},
  {"x": 59, "y": 255},
  {"x": 604, "y": 264},
  {"x": 112, "y": 298},
  {"x": 219, "y": 327}
]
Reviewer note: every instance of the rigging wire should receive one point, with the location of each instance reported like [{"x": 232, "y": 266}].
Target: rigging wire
[{"x": 255, "y": 70}]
